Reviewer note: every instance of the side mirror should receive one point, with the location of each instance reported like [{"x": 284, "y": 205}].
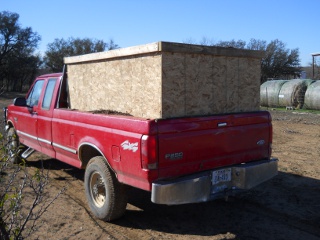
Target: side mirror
[{"x": 20, "y": 101}]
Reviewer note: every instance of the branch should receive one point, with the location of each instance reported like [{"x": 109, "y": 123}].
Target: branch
[
  {"x": 43, "y": 210},
  {"x": 38, "y": 189}
]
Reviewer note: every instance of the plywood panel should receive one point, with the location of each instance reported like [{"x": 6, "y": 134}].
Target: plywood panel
[
  {"x": 232, "y": 84},
  {"x": 249, "y": 80},
  {"x": 199, "y": 82},
  {"x": 148, "y": 95},
  {"x": 173, "y": 85},
  {"x": 220, "y": 90},
  {"x": 164, "y": 80},
  {"x": 129, "y": 85}
]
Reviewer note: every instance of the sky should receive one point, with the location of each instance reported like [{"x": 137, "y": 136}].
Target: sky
[{"x": 137, "y": 22}]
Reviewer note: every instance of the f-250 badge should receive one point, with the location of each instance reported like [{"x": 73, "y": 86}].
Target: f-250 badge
[
  {"x": 174, "y": 156},
  {"x": 126, "y": 145}
]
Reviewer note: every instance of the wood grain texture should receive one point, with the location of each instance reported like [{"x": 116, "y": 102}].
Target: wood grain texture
[{"x": 167, "y": 80}]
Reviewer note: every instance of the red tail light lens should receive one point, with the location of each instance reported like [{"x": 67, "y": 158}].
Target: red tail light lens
[{"x": 149, "y": 152}]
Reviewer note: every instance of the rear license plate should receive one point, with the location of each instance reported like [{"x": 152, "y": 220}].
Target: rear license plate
[{"x": 222, "y": 175}]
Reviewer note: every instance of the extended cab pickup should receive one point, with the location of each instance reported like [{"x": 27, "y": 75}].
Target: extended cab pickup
[{"x": 179, "y": 160}]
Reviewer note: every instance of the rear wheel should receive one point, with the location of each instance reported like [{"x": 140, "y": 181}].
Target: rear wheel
[
  {"x": 107, "y": 197},
  {"x": 12, "y": 146}
]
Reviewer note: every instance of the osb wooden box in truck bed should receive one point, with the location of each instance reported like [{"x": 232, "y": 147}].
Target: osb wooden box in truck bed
[{"x": 164, "y": 80}]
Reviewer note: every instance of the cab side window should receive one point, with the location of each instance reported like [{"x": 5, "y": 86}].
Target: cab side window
[
  {"x": 34, "y": 95},
  {"x": 48, "y": 93}
]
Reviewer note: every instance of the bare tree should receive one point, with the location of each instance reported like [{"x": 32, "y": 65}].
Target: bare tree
[
  {"x": 112, "y": 45},
  {"x": 279, "y": 61},
  {"x": 207, "y": 42},
  {"x": 19, "y": 217},
  {"x": 190, "y": 41},
  {"x": 233, "y": 43},
  {"x": 61, "y": 48},
  {"x": 256, "y": 44}
]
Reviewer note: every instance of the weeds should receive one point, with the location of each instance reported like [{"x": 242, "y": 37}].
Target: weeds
[{"x": 23, "y": 199}]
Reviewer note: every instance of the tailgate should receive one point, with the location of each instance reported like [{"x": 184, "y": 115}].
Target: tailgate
[{"x": 189, "y": 145}]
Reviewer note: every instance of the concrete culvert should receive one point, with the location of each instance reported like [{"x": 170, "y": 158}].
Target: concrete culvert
[
  {"x": 312, "y": 96},
  {"x": 292, "y": 93},
  {"x": 269, "y": 93}
]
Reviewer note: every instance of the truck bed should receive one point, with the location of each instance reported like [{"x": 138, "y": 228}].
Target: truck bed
[{"x": 183, "y": 145}]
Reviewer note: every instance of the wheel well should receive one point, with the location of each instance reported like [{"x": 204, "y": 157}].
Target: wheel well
[{"x": 86, "y": 152}]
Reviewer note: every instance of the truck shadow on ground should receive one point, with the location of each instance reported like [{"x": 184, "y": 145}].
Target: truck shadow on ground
[
  {"x": 288, "y": 204},
  {"x": 286, "y": 207},
  {"x": 53, "y": 164}
]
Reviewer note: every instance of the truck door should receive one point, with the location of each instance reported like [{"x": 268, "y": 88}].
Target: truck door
[
  {"x": 27, "y": 119},
  {"x": 45, "y": 112}
]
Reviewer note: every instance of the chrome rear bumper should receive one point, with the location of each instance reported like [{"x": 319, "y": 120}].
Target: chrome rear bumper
[{"x": 199, "y": 187}]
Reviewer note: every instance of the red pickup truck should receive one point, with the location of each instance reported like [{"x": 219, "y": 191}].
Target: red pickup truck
[{"x": 180, "y": 160}]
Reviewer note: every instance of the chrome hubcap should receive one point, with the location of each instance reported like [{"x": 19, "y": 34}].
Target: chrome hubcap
[{"x": 98, "y": 190}]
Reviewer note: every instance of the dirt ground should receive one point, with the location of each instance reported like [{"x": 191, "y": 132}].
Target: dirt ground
[{"x": 286, "y": 207}]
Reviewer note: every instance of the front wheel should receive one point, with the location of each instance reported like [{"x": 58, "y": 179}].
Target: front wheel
[
  {"x": 12, "y": 146},
  {"x": 107, "y": 197}
]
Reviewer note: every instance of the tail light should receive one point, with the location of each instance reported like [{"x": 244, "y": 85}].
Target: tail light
[{"x": 149, "y": 152}]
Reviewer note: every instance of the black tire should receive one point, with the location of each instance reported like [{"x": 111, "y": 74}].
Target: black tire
[
  {"x": 12, "y": 146},
  {"x": 106, "y": 196}
]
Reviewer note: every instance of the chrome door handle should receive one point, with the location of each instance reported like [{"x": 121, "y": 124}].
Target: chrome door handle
[{"x": 222, "y": 124}]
